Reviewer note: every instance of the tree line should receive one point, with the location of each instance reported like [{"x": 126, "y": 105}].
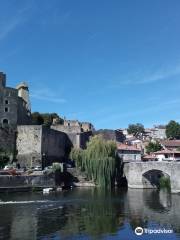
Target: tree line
[{"x": 45, "y": 119}]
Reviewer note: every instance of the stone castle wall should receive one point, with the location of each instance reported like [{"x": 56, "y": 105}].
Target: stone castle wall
[
  {"x": 67, "y": 129},
  {"x": 39, "y": 145},
  {"x": 75, "y": 134},
  {"x": 7, "y": 140},
  {"x": 23, "y": 117},
  {"x": 28, "y": 143},
  {"x": 55, "y": 145},
  {"x": 9, "y": 101}
]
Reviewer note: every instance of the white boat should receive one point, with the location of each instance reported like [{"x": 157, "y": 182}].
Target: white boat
[{"x": 47, "y": 190}]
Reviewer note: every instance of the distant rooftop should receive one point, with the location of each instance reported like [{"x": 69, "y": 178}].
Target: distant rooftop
[{"x": 127, "y": 147}]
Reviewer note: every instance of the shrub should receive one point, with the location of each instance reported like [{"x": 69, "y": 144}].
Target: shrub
[{"x": 164, "y": 182}]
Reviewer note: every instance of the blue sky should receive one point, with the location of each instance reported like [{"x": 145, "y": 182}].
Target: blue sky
[{"x": 108, "y": 62}]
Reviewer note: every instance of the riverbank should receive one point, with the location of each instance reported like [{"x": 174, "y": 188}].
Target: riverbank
[{"x": 38, "y": 181}]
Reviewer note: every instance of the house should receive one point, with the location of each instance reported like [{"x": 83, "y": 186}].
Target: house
[
  {"x": 171, "y": 144},
  {"x": 149, "y": 157},
  {"x": 128, "y": 153},
  {"x": 167, "y": 155}
]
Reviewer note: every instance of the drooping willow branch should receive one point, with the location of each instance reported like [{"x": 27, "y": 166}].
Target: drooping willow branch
[{"x": 98, "y": 160}]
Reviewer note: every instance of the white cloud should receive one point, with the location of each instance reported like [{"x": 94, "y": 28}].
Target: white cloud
[
  {"x": 149, "y": 77},
  {"x": 152, "y": 109},
  {"x": 46, "y": 95}
]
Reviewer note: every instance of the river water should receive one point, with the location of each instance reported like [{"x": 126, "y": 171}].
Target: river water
[{"x": 89, "y": 213}]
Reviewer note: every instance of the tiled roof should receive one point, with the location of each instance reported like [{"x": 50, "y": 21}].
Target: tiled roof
[
  {"x": 127, "y": 147},
  {"x": 166, "y": 151},
  {"x": 131, "y": 139},
  {"x": 149, "y": 157},
  {"x": 171, "y": 143}
]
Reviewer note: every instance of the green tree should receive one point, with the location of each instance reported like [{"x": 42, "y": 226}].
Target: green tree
[
  {"x": 37, "y": 118},
  {"x": 173, "y": 130},
  {"x": 153, "y": 147},
  {"x": 98, "y": 160},
  {"x": 45, "y": 118},
  {"x": 136, "y": 129}
]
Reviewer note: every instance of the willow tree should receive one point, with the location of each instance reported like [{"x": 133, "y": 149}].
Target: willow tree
[{"x": 98, "y": 160}]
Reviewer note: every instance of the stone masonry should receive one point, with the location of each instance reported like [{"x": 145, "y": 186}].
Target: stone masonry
[
  {"x": 38, "y": 145},
  {"x": 142, "y": 174}
]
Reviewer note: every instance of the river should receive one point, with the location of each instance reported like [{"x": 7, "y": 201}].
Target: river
[{"x": 89, "y": 213}]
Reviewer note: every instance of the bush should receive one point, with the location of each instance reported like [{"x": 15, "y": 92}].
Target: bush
[
  {"x": 57, "y": 167},
  {"x": 164, "y": 182},
  {"x": 153, "y": 147}
]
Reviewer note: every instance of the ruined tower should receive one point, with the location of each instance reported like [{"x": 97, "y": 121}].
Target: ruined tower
[{"x": 23, "y": 92}]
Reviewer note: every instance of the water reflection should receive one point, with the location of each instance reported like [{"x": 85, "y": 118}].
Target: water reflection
[{"x": 86, "y": 213}]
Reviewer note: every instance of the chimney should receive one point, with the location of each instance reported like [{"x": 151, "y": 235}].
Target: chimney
[{"x": 2, "y": 79}]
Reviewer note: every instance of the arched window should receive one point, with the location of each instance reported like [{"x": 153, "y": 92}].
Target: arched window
[{"x": 5, "y": 121}]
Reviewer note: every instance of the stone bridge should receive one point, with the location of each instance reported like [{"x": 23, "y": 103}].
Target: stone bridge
[{"x": 147, "y": 174}]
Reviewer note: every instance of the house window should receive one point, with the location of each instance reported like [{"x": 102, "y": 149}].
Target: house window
[
  {"x": 6, "y": 109},
  {"x": 6, "y": 102},
  {"x": 5, "y": 121}
]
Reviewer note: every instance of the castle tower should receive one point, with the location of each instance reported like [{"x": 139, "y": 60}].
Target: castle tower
[
  {"x": 23, "y": 92},
  {"x": 2, "y": 80}
]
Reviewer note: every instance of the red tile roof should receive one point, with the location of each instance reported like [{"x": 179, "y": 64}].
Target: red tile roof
[
  {"x": 171, "y": 143},
  {"x": 166, "y": 151},
  {"x": 127, "y": 147},
  {"x": 149, "y": 157}
]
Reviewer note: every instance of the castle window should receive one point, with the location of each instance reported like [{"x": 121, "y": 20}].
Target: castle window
[
  {"x": 6, "y": 102},
  {"x": 6, "y": 109},
  {"x": 5, "y": 121}
]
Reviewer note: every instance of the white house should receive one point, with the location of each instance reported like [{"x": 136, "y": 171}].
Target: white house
[
  {"x": 129, "y": 153},
  {"x": 167, "y": 155}
]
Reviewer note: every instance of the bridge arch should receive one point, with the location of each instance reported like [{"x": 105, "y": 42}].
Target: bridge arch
[{"x": 151, "y": 178}]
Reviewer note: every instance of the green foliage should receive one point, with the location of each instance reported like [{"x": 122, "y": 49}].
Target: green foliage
[
  {"x": 136, "y": 129},
  {"x": 98, "y": 160},
  {"x": 3, "y": 161},
  {"x": 44, "y": 118},
  {"x": 173, "y": 130},
  {"x": 4, "y": 157},
  {"x": 57, "y": 167},
  {"x": 164, "y": 182},
  {"x": 153, "y": 147},
  {"x": 37, "y": 118}
]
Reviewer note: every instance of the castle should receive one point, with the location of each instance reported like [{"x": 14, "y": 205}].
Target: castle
[
  {"x": 14, "y": 104},
  {"x": 35, "y": 144}
]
